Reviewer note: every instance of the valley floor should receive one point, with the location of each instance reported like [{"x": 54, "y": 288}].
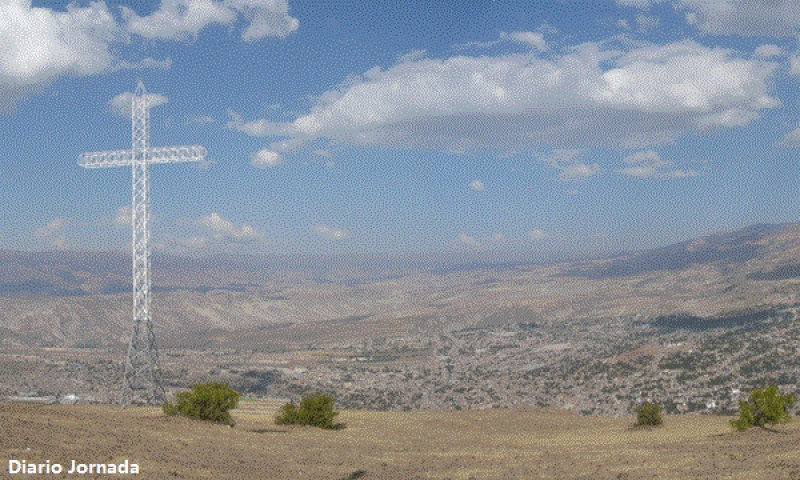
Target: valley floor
[{"x": 482, "y": 444}]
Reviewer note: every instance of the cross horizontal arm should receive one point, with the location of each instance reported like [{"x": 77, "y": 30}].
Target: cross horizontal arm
[
  {"x": 115, "y": 158},
  {"x": 123, "y": 158}
]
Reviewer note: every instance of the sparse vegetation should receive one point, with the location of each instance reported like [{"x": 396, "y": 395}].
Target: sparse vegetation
[
  {"x": 766, "y": 406},
  {"x": 206, "y": 401},
  {"x": 649, "y": 414},
  {"x": 315, "y": 409}
]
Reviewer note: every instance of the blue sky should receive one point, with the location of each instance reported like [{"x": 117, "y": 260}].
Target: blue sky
[{"x": 519, "y": 128}]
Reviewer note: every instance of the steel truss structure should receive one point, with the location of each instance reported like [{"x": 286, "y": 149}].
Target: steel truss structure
[{"x": 141, "y": 383}]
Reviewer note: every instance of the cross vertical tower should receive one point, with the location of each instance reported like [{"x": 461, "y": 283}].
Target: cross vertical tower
[{"x": 141, "y": 383}]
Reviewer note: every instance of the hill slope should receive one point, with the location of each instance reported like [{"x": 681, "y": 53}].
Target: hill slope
[{"x": 489, "y": 444}]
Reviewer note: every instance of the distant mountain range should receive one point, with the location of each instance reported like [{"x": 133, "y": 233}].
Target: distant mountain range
[
  {"x": 83, "y": 298},
  {"x": 770, "y": 248}
]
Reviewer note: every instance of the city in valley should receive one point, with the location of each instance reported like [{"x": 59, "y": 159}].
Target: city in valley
[{"x": 691, "y": 326}]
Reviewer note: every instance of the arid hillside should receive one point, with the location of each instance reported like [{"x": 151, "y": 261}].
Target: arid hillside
[
  {"x": 80, "y": 300},
  {"x": 480, "y": 444}
]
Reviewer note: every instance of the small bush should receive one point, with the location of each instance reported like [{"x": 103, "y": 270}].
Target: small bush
[
  {"x": 206, "y": 401},
  {"x": 766, "y": 406},
  {"x": 649, "y": 414},
  {"x": 315, "y": 410}
]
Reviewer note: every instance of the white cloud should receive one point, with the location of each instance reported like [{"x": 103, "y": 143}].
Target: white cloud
[
  {"x": 771, "y": 18},
  {"x": 267, "y": 18},
  {"x": 732, "y": 117},
  {"x": 562, "y": 156},
  {"x": 180, "y": 19},
  {"x": 39, "y": 44},
  {"x": 412, "y": 56},
  {"x": 536, "y": 234},
  {"x": 331, "y": 233},
  {"x": 647, "y": 96},
  {"x": 467, "y": 240},
  {"x": 649, "y": 164},
  {"x": 565, "y": 160},
  {"x": 477, "y": 185},
  {"x": 257, "y": 128},
  {"x": 53, "y": 234},
  {"x": 534, "y": 39},
  {"x": 767, "y": 51},
  {"x": 123, "y": 216},
  {"x": 646, "y": 157},
  {"x": 578, "y": 171},
  {"x": 225, "y": 228},
  {"x": 792, "y": 139},
  {"x": 266, "y": 158},
  {"x": 121, "y": 104},
  {"x": 177, "y": 19}
]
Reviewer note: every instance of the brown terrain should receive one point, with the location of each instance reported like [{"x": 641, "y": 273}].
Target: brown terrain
[
  {"x": 520, "y": 443},
  {"x": 442, "y": 370}
]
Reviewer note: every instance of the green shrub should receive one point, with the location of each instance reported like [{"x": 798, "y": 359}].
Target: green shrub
[
  {"x": 766, "y": 406},
  {"x": 206, "y": 401},
  {"x": 315, "y": 410},
  {"x": 649, "y": 414}
]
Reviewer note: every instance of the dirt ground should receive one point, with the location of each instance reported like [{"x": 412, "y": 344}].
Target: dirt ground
[{"x": 481, "y": 444}]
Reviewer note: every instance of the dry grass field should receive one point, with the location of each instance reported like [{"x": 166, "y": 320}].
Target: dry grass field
[{"x": 480, "y": 444}]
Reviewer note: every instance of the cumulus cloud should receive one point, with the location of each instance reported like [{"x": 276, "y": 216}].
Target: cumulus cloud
[
  {"x": 770, "y": 18},
  {"x": 177, "y": 19},
  {"x": 412, "y": 56},
  {"x": 40, "y": 44},
  {"x": 647, "y": 96},
  {"x": 121, "y": 104},
  {"x": 534, "y": 39},
  {"x": 123, "y": 216},
  {"x": 225, "y": 228},
  {"x": 649, "y": 164},
  {"x": 477, "y": 185},
  {"x": 565, "y": 160},
  {"x": 331, "y": 233},
  {"x": 266, "y": 158},
  {"x": 53, "y": 233},
  {"x": 180, "y": 19},
  {"x": 578, "y": 172},
  {"x": 792, "y": 139},
  {"x": 256, "y": 128},
  {"x": 767, "y": 51},
  {"x": 267, "y": 19}
]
